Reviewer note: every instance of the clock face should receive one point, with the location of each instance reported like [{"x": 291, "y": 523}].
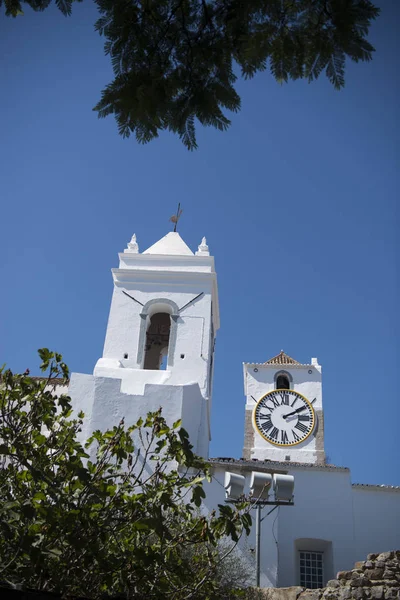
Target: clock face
[{"x": 284, "y": 417}]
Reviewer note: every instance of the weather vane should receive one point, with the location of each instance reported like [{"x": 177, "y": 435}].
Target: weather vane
[{"x": 175, "y": 218}]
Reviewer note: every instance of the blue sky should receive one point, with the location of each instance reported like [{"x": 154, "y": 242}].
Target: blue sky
[{"x": 297, "y": 201}]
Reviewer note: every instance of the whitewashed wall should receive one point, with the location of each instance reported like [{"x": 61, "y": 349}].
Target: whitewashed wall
[
  {"x": 215, "y": 494},
  {"x": 322, "y": 511},
  {"x": 193, "y": 337},
  {"x": 376, "y": 519},
  {"x": 105, "y": 404}
]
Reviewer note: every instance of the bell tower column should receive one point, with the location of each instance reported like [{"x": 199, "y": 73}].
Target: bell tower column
[{"x": 159, "y": 341}]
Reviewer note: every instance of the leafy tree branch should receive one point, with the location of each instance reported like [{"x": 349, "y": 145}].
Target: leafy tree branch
[
  {"x": 118, "y": 515},
  {"x": 176, "y": 62}
]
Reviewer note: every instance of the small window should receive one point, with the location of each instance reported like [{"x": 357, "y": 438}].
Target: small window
[
  {"x": 311, "y": 569},
  {"x": 282, "y": 382}
]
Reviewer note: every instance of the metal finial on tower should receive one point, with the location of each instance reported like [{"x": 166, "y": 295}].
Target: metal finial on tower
[{"x": 175, "y": 218}]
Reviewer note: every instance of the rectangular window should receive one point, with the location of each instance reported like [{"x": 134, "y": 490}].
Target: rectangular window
[{"x": 311, "y": 569}]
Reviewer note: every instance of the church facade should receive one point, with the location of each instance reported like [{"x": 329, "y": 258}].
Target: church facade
[{"x": 159, "y": 351}]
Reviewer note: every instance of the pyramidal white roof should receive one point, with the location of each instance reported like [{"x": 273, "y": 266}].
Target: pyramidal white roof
[{"x": 172, "y": 243}]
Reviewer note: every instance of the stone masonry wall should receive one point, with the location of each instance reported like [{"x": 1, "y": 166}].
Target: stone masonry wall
[{"x": 377, "y": 578}]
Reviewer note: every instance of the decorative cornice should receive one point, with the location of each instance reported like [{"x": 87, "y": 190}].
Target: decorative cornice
[
  {"x": 272, "y": 365},
  {"x": 123, "y": 276},
  {"x": 269, "y": 465},
  {"x": 372, "y": 487}
]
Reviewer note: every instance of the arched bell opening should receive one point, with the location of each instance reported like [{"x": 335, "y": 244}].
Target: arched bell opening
[
  {"x": 157, "y": 341},
  {"x": 283, "y": 380},
  {"x": 157, "y": 337}
]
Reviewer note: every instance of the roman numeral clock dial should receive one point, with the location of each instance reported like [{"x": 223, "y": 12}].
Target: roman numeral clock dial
[{"x": 284, "y": 417}]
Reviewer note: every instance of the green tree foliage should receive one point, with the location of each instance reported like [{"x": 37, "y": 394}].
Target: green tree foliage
[
  {"x": 176, "y": 61},
  {"x": 14, "y": 7},
  {"x": 118, "y": 516}
]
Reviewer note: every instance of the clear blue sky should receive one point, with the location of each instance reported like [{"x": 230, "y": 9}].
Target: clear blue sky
[{"x": 297, "y": 201}]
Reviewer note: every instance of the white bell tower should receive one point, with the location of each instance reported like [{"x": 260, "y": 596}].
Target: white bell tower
[
  {"x": 159, "y": 341},
  {"x": 294, "y": 413}
]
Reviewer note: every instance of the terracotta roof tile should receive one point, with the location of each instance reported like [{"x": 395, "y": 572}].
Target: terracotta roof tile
[{"x": 281, "y": 359}]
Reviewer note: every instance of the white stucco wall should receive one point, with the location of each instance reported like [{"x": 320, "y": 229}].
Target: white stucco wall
[
  {"x": 376, "y": 512},
  {"x": 193, "y": 328},
  {"x": 215, "y": 494},
  {"x": 105, "y": 404},
  {"x": 322, "y": 511}
]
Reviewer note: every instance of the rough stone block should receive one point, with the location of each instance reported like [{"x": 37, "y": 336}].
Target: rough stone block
[
  {"x": 359, "y": 564},
  {"x": 356, "y": 582},
  {"x": 377, "y": 592},
  {"x": 343, "y": 575},
  {"x": 388, "y": 573},
  {"x": 369, "y": 564},
  {"x": 290, "y": 593},
  {"x": 310, "y": 595},
  {"x": 391, "y": 592},
  {"x": 333, "y": 583},
  {"x": 371, "y": 556},
  {"x": 345, "y": 593},
  {"x": 384, "y": 556},
  {"x": 357, "y": 593},
  {"x": 374, "y": 573}
]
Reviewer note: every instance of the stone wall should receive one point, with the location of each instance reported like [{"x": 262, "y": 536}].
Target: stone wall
[{"x": 377, "y": 578}]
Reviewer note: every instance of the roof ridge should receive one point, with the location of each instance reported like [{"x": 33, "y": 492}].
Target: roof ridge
[{"x": 282, "y": 359}]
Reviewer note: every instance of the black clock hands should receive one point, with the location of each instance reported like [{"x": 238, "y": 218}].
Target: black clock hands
[
  {"x": 295, "y": 412},
  {"x": 298, "y": 410}
]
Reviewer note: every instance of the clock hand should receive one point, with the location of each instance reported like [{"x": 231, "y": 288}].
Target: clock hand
[{"x": 295, "y": 412}]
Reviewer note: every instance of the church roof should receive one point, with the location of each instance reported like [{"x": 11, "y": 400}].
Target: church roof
[
  {"x": 281, "y": 359},
  {"x": 172, "y": 243}
]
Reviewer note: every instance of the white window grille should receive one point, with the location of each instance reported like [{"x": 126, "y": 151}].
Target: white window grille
[{"x": 311, "y": 569}]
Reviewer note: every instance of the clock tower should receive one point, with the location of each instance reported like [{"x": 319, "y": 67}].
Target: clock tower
[{"x": 283, "y": 416}]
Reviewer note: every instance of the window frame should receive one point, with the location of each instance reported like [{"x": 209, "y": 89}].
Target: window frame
[
  {"x": 315, "y": 545},
  {"x": 306, "y": 579}
]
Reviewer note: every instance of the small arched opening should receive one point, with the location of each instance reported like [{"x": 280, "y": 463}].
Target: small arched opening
[
  {"x": 282, "y": 382},
  {"x": 157, "y": 341}
]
